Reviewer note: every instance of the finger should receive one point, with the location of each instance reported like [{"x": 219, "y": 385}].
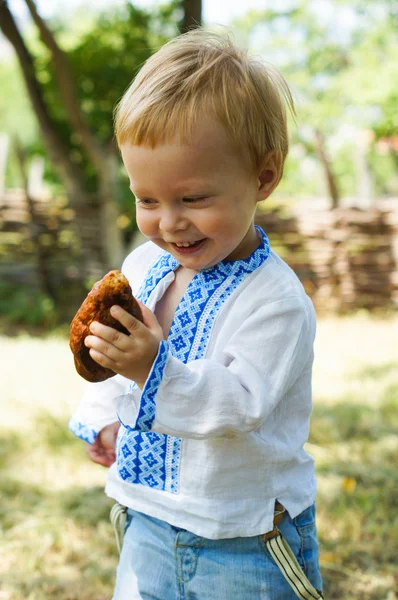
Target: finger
[
  {"x": 98, "y": 457},
  {"x": 128, "y": 321},
  {"x": 103, "y": 347},
  {"x": 103, "y": 360},
  {"x": 113, "y": 336}
]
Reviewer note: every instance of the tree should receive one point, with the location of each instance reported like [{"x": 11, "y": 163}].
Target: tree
[
  {"x": 332, "y": 53},
  {"x": 81, "y": 147},
  {"x": 192, "y": 15},
  {"x": 102, "y": 156},
  {"x": 45, "y": 282},
  {"x": 70, "y": 175}
]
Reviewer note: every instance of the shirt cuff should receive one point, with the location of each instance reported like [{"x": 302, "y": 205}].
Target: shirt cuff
[
  {"x": 145, "y": 405},
  {"x": 84, "y": 432},
  {"x": 127, "y": 407}
]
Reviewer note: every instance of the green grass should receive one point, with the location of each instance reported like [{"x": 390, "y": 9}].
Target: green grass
[
  {"x": 56, "y": 539},
  {"x": 355, "y": 443}
]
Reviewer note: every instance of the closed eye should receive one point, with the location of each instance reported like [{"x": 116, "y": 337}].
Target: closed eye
[
  {"x": 197, "y": 199},
  {"x": 145, "y": 201},
  {"x": 188, "y": 200}
]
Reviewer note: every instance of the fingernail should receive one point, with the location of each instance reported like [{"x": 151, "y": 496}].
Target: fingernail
[{"x": 115, "y": 310}]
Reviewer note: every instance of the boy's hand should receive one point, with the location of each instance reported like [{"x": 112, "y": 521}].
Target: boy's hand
[
  {"x": 129, "y": 355},
  {"x": 103, "y": 449}
]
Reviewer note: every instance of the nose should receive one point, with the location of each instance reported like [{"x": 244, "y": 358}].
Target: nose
[{"x": 172, "y": 219}]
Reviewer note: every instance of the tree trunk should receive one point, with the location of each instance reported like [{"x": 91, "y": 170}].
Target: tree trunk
[
  {"x": 67, "y": 90},
  {"x": 3, "y": 162},
  {"x": 96, "y": 151},
  {"x": 330, "y": 177},
  {"x": 71, "y": 175},
  {"x": 364, "y": 180},
  {"x": 192, "y": 15},
  {"x": 35, "y": 228}
]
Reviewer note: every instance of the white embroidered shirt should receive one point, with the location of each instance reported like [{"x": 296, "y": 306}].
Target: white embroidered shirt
[{"x": 217, "y": 434}]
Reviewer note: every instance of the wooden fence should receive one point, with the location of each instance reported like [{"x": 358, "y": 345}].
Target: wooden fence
[{"x": 346, "y": 258}]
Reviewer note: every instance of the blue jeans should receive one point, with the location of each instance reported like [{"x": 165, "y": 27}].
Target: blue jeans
[{"x": 162, "y": 562}]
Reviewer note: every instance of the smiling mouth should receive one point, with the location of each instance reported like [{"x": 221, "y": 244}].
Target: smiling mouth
[
  {"x": 187, "y": 244},
  {"x": 188, "y": 247}
]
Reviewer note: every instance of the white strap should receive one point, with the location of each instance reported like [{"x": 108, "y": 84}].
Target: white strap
[
  {"x": 291, "y": 570},
  {"x": 118, "y": 520}
]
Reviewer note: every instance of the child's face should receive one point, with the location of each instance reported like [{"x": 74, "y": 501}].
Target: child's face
[{"x": 198, "y": 193}]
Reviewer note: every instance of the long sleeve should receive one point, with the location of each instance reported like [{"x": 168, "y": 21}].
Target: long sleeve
[
  {"x": 96, "y": 409},
  {"x": 234, "y": 393}
]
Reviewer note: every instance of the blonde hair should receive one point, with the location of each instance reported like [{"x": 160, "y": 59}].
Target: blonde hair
[{"x": 201, "y": 72}]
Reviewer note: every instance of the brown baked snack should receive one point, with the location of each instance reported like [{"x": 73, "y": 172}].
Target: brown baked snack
[{"x": 111, "y": 289}]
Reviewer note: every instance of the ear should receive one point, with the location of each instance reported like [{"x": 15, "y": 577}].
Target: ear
[{"x": 269, "y": 175}]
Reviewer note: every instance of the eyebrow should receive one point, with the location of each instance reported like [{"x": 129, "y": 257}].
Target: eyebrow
[
  {"x": 141, "y": 196},
  {"x": 198, "y": 194}
]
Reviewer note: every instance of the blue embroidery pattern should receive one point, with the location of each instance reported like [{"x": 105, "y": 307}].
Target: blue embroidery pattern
[
  {"x": 82, "y": 431},
  {"x": 147, "y": 457},
  {"x": 146, "y": 414},
  {"x": 163, "y": 265},
  {"x": 144, "y": 458}
]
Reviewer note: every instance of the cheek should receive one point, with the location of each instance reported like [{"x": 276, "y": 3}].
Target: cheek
[
  {"x": 145, "y": 221},
  {"x": 225, "y": 223},
  {"x": 211, "y": 222}
]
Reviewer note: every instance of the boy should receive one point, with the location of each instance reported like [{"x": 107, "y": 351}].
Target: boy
[{"x": 212, "y": 397}]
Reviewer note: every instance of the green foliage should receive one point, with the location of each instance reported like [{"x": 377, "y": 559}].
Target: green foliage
[
  {"x": 341, "y": 59},
  {"x": 19, "y": 306},
  {"x": 340, "y": 56},
  {"x": 345, "y": 170},
  {"x": 103, "y": 62},
  {"x": 16, "y": 115},
  {"x": 104, "y": 56},
  {"x": 384, "y": 166},
  {"x": 369, "y": 81},
  {"x": 15, "y": 109}
]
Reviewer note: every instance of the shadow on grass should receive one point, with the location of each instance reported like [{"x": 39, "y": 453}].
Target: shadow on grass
[
  {"x": 86, "y": 506},
  {"x": 52, "y": 442},
  {"x": 54, "y": 433},
  {"x": 56, "y": 543},
  {"x": 357, "y": 483},
  {"x": 50, "y": 433},
  {"x": 349, "y": 418},
  {"x": 11, "y": 443},
  {"x": 346, "y": 420}
]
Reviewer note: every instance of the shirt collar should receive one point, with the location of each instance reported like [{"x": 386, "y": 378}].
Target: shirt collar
[{"x": 227, "y": 267}]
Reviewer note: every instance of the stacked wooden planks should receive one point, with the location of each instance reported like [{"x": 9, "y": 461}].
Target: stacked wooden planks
[{"x": 346, "y": 258}]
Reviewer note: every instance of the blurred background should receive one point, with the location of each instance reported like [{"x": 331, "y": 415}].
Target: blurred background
[{"x": 67, "y": 217}]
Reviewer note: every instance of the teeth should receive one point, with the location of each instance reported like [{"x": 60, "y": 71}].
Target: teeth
[{"x": 185, "y": 244}]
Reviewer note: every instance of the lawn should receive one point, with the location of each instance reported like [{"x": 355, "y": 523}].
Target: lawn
[{"x": 56, "y": 540}]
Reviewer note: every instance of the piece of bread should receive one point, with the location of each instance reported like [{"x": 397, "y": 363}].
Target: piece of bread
[{"x": 111, "y": 289}]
